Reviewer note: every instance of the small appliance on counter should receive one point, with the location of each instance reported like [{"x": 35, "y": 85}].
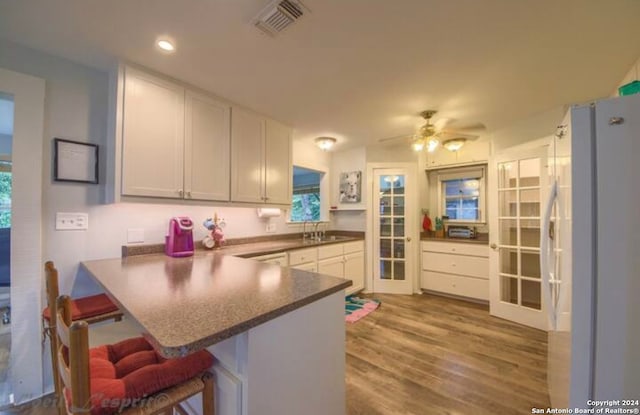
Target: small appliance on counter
[
  {"x": 463, "y": 232},
  {"x": 179, "y": 241}
]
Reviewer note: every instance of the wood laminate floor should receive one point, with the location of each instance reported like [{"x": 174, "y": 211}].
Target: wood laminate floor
[{"x": 425, "y": 354}]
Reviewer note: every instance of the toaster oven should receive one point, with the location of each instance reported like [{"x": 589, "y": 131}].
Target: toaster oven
[{"x": 463, "y": 232}]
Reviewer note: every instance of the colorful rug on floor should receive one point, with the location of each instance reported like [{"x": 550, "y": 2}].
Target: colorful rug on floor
[{"x": 356, "y": 308}]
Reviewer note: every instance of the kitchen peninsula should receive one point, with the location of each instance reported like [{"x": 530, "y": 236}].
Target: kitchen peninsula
[{"x": 277, "y": 333}]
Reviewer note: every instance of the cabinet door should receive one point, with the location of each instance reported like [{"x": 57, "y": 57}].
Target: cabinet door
[
  {"x": 332, "y": 266},
  {"x": 228, "y": 391},
  {"x": 278, "y": 167},
  {"x": 152, "y": 136},
  {"x": 207, "y": 148},
  {"x": 354, "y": 270},
  {"x": 247, "y": 157}
]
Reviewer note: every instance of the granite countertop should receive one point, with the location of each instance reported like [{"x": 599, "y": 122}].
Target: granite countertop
[
  {"x": 482, "y": 238},
  {"x": 250, "y": 247},
  {"x": 187, "y": 304}
]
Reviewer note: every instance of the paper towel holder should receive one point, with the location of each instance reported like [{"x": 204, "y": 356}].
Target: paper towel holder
[{"x": 266, "y": 213}]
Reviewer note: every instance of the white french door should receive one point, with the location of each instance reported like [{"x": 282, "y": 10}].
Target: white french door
[
  {"x": 518, "y": 190},
  {"x": 393, "y": 229}
]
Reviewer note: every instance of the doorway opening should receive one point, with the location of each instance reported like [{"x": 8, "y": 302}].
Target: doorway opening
[{"x": 6, "y": 139}]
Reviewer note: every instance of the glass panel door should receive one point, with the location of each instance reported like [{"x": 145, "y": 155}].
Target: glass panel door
[
  {"x": 515, "y": 259},
  {"x": 392, "y": 227},
  {"x": 392, "y": 236}
]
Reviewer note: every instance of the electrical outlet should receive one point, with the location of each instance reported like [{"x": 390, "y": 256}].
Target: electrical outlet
[
  {"x": 271, "y": 227},
  {"x": 135, "y": 236},
  {"x": 72, "y": 221}
]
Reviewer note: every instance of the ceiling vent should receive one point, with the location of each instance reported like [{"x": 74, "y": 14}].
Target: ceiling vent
[{"x": 279, "y": 15}]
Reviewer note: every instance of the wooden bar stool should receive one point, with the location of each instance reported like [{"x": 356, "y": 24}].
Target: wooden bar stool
[
  {"x": 125, "y": 378},
  {"x": 91, "y": 309}
]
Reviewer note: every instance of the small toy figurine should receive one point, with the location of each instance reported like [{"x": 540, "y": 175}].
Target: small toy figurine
[{"x": 215, "y": 239}]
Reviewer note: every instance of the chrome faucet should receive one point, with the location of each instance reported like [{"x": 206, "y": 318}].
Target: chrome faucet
[
  {"x": 316, "y": 234},
  {"x": 304, "y": 231}
]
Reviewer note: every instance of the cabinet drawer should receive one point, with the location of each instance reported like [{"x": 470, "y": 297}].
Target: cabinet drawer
[
  {"x": 309, "y": 266},
  {"x": 456, "y": 264},
  {"x": 355, "y": 246},
  {"x": 456, "y": 248},
  {"x": 329, "y": 251},
  {"x": 300, "y": 256},
  {"x": 457, "y": 285}
]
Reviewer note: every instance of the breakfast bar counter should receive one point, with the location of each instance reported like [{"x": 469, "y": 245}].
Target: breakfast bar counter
[
  {"x": 277, "y": 333},
  {"x": 187, "y": 304}
]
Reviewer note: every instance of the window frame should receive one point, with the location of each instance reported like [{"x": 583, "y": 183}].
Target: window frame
[
  {"x": 464, "y": 173},
  {"x": 320, "y": 193}
]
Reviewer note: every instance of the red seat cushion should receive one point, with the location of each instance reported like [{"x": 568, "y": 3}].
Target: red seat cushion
[
  {"x": 86, "y": 307},
  {"x": 131, "y": 370}
]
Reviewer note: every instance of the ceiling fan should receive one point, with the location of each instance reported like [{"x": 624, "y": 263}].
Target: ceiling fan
[{"x": 430, "y": 134}]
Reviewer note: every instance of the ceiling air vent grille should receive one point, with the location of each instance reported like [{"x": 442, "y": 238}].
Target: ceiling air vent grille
[{"x": 278, "y": 16}]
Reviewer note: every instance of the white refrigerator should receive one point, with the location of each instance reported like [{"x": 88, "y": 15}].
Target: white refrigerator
[{"x": 594, "y": 341}]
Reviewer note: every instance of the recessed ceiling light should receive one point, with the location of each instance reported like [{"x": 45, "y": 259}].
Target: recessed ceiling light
[{"x": 166, "y": 45}]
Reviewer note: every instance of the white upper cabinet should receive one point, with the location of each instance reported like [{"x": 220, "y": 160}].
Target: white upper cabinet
[
  {"x": 153, "y": 136},
  {"x": 261, "y": 169},
  {"x": 247, "y": 156},
  {"x": 278, "y": 163},
  {"x": 172, "y": 141},
  {"x": 175, "y": 142},
  {"x": 206, "y": 148}
]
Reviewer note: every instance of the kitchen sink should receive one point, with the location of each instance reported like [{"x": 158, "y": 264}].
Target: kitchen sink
[{"x": 325, "y": 239}]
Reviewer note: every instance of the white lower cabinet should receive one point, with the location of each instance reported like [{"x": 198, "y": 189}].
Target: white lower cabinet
[
  {"x": 228, "y": 391},
  {"x": 275, "y": 259},
  {"x": 455, "y": 268},
  {"x": 342, "y": 260}
]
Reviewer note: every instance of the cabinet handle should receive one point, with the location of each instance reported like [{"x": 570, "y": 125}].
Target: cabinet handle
[
  {"x": 180, "y": 193},
  {"x": 189, "y": 195}
]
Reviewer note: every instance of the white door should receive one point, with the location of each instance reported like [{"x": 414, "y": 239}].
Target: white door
[
  {"x": 207, "y": 148},
  {"x": 518, "y": 189},
  {"x": 393, "y": 227}
]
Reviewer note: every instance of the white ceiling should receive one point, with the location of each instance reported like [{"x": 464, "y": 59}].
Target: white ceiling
[{"x": 359, "y": 70}]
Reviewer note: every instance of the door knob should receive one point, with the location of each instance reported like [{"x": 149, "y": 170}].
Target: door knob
[
  {"x": 493, "y": 246},
  {"x": 408, "y": 239}
]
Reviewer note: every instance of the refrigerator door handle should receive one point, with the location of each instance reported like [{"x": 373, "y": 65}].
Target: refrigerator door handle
[{"x": 545, "y": 254}]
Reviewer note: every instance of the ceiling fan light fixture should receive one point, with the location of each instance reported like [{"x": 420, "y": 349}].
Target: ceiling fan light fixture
[
  {"x": 454, "y": 144},
  {"x": 417, "y": 145},
  {"x": 325, "y": 143},
  {"x": 432, "y": 144}
]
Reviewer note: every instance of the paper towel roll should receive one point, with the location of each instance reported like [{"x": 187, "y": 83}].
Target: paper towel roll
[{"x": 269, "y": 212}]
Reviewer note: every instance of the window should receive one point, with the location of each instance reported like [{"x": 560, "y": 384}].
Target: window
[
  {"x": 462, "y": 194},
  {"x": 5, "y": 192},
  {"x": 305, "y": 205}
]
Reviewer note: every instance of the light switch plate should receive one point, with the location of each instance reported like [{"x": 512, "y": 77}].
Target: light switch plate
[
  {"x": 66, "y": 221},
  {"x": 271, "y": 227},
  {"x": 135, "y": 235}
]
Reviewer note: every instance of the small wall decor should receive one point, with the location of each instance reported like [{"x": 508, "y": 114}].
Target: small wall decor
[
  {"x": 350, "y": 187},
  {"x": 75, "y": 162}
]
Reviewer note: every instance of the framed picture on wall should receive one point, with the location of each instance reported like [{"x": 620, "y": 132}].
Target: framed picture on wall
[
  {"x": 74, "y": 161},
  {"x": 350, "y": 187}
]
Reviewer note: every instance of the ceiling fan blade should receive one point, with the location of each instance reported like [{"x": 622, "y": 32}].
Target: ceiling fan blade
[
  {"x": 395, "y": 138},
  {"x": 442, "y": 123},
  {"x": 477, "y": 127}
]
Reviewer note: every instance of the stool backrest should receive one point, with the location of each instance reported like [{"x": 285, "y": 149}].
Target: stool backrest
[
  {"x": 73, "y": 357},
  {"x": 51, "y": 279}
]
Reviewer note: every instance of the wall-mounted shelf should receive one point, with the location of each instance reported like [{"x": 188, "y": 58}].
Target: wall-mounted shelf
[{"x": 354, "y": 209}]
